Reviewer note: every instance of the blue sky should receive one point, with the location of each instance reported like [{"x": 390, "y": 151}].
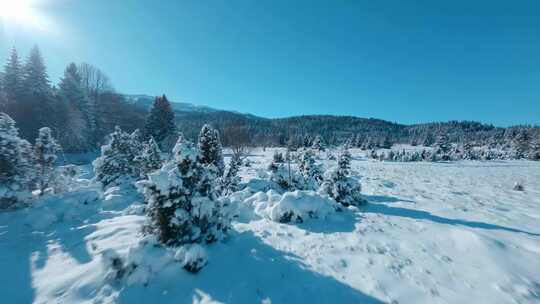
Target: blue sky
[{"x": 404, "y": 61}]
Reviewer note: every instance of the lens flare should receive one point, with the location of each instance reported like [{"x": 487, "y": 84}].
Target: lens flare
[{"x": 22, "y": 13}]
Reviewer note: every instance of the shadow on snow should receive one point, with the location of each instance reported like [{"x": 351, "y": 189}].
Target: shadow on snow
[
  {"x": 245, "y": 270},
  {"x": 424, "y": 215}
]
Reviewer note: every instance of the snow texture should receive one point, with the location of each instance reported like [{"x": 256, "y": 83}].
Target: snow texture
[{"x": 452, "y": 232}]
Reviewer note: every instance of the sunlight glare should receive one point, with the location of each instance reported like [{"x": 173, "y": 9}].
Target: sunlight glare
[{"x": 22, "y": 13}]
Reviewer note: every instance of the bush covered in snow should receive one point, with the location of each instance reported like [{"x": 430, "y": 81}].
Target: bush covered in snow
[
  {"x": 296, "y": 206},
  {"x": 182, "y": 198},
  {"x": 17, "y": 171},
  {"x": 118, "y": 160}
]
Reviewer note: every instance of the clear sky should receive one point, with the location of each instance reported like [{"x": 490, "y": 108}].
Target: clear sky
[{"x": 404, "y": 61}]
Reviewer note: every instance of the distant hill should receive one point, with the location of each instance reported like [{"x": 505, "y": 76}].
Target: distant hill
[{"x": 334, "y": 129}]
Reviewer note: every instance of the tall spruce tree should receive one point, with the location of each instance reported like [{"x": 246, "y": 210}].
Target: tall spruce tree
[
  {"x": 160, "y": 122},
  {"x": 210, "y": 148},
  {"x": 37, "y": 98},
  {"x": 74, "y": 98},
  {"x": 12, "y": 78}
]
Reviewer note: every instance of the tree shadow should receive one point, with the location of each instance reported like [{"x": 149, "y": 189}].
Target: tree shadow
[
  {"x": 424, "y": 215},
  {"x": 244, "y": 270},
  {"x": 386, "y": 199},
  {"x": 344, "y": 221},
  {"x": 21, "y": 250}
]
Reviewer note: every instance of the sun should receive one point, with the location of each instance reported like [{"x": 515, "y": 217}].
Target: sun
[
  {"x": 23, "y": 13},
  {"x": 16, "y": 10}
]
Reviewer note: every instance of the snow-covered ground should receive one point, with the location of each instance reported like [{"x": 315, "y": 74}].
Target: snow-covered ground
[{"x": 430, "y": 233}]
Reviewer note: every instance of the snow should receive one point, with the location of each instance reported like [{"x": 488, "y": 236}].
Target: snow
[{"x": 430, "y": 233}]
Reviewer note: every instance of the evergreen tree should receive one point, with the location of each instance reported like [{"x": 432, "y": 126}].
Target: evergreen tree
[
  {"x": 309, "y": 170},
  {"x": 72, "y": 93},
  {"x": 278, "y": 157},
  {"x": 182, "y": 202},
  {"x": 16, "y": 164},
  {"x": 386, "y": 144},
  {"x": 521, "y": 143},
  {"x": 150, "y": 158},
  {"x": 534, "y": 152},
  {"x": 160, "y": 122},
  {"x": 12, "y": 78},
  {"x": 46, "y": 150},
  {"x": 443, "y": 147},
  {"x": 231, "y": 180},
  {"x": 340, "y": 186},
  {"x": 428, "y": 140},
  {"x": 318, "y": 143},
  {"x": 210, "y": 149},
  {"x": 118, "y": 160},
  {"x": 36, "y": 108}
]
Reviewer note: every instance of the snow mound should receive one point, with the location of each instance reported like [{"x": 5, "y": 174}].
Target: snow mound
[{"x": 296, "y": 206}]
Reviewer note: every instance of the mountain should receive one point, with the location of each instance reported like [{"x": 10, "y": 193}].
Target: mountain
[
  {"x": 334, "y": 129},
  {"x": 146, "y": 102}
]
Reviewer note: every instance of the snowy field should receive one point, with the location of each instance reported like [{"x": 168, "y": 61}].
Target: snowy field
[{"x": 430, "y": 233}]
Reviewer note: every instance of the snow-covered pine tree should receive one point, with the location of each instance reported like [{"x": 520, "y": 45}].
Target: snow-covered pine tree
[
  {"x": 521, "y": 143},
  {"x": 117, "y": 163},
  {"x": 278, "y": 157},
  {"x": 468, "y": 151},
  {"x": 160, "y": 122},
  {"x": 443, "y": 147},
  {"x": 386, "y": 143},
  {"x": 428, "y": 140},
  {"x": 45, "y": 151},
  {"x": 318, "y": 143},
  {"x": 339, "y": 185},
  {"x": 16, "y": 164},
  {"x": 150, "y": 158},
  {"x": 231, "y": 180},
  {"x": 534, "y": 151},
  {"x": 210, "y": 151},
  {"x": 182, "y": 203},
  {"x": 310, "y": 172}
]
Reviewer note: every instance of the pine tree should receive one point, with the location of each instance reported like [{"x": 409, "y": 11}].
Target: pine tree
[
  {"x": 37, "y": 104},
  {"x": 340, "y": 186},
  {"x": 231, "y": 180},
  {"x": 118, "y": 160},
  {"x": 468, "y": 151},
  {"x": 182, "y": 201},
  {"x": 534, "y": 151},
  {"x": 72, "y": 93},
  {"x": 210, "y": 149},
  {"x": 318, "y": 143},
  {"x": 160, "y": 122},
  {"x": 12, "y": 78},
  {"x": 16, "y": 164},
  {"x": 150, "y": 158},
  {"x": 278, "y": 157},
  {"x": 428, "y": 140},
  {"x": 46, "y": 150},
  {"x": 443, "y": 147},
  {"x": 386, "y": 144},
  {"x": 521, "y": 143},
  {"x": 309, "y": 170}
]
